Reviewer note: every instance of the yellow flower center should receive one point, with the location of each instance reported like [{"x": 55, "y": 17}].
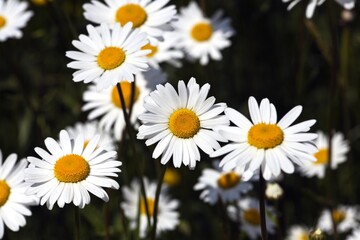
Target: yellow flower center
[
  {"x": 252, "y": 216},
  {"x": 110, "y": 58},
  {"x": 4, "y": 192},
  {"x": 228, "y": 180},
  {"x": 171, "y": 177},
  {"x": 126, "y": 89},
  {"x": 304, "y": 236},
  {"x": 71, "y": 168},
  {"x": 322, "y": 156},
  {"x": 153, "y": 49},
  {"x": 131, "y": 13},
  {"x": 338, "y": 216},
  {"x": 265, "y": 136},
  {"x": 39, "y": 2},
  {"x": 184, "y": 123},
  {"x": 2, "y": 21},
  {"x": 201, "y": 32},
  {"x": 151, "y": 206}
]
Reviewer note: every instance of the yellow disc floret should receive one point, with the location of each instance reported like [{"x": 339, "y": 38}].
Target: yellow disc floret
[
  {"x": 126, "y": 89},
  {"x": 131, "y": 13},
  {"x": 304, "y": 236},
  {"x": 4, "y": 192},
  {"x": 153, "y": 49},
  {"x": 322, "y": 156},
  {"x": 151, "y": 205},
  {"x": 172, "y": 177},
  {"x": 252, "y": 216},
  {"x": 228, "y": 180},
  {"x": 2, "y": 21},
  {"x": 201, "y": 32},
  {"x": 71, "y": 168},
  {"x": 184, "y": 123},
  {"x": 338, "y": 216},
  {"x": 110, "y": 58},
  {"x": 265, "y": 136}
]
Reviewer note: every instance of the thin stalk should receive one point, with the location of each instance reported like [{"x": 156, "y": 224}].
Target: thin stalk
[
  {"x": 132, "y": 96},
  {"x": 124, "y": 223},
  {"x": 262, "y": 206},
  {"x": 129, "y": 131},
  {"x": 225, "y": 222},
  {"x": 156, "y": 202},
  {"x": 77, "y": 223},
  {"x": 106, "y": 220}
]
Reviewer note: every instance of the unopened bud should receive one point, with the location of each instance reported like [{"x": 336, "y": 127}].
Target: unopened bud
[{"x": 316, "y": 235}]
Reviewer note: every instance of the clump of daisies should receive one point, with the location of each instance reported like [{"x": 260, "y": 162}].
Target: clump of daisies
[
  {"x": 200, "y": 37},
  {"x": 14, "y": 202},
  {"x": 248, "y": 214},
  {"x": 108, "y": 56},
  {"x": 70, "y": 170},
  {"x": 310, "y": 9},
  {"x": 181, "y": 122},
  {"x": 228, "y": 186},
  {"x": 339, "y": 149},
  {"x": 167, "y": 215},
  {"x": 264, "y": 142},
  {"x": 13, "y": 17}
]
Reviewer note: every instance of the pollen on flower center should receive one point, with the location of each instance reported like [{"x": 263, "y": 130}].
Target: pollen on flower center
[
  {"x": 265, "y": 136},
  {"x": 126, "y": 89},
  {"x": 201, "y": 31},
  {"x": 184, "y": 123},
  {"x": 338, "y": 216},
  {"x": 322, "y": 156},
  {"x": 252, "y": 216},
  {"x": 4, "y": 192},
  {"x": 2, "y": 21},
  {"x": 131, "y": 13},
  {"x": 153, "y": 49},
  {"x": 151, "y": 205},
  {"x": 228, "y": 180},
  {"x": 110, "y": 58},
  {"x": 71, "y": 168}
]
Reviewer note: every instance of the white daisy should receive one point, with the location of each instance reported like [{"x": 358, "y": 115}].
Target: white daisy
[
  {"x": 355, "y": 235},
  {"x": 298, "y": 233},
  {"x": 202, "y": 37},
  {"x": 265, "y": 143},
  {"x": 149, "y": 16},
  {"x": 167, "y": 216},
  {"x": 108, "y": 56},
  {"x": 345, "y": 218},
  {"x": 14, "y": 203},
  {"x": 310, "y": 9},
  {"x": 273, "y": 191},
  {"x": 89, "y": 130},
  {"x": 13, "y": 17},
  {"x": 164, "y": 51},
  {"x": 339, "y": 149},
  {"x": 69, "y": 171},
  {"x": 249, "y": 215},
  {"x": 226, "y": 185},
  {"x": 106, "y": 104},
  {"x": 181, "y": 122}
]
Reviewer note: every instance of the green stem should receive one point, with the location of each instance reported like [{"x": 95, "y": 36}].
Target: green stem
[
  {"x": 77, "y": 223},
  {"x": 262, "y": 206},
  {"x": 156, "y": 202}
]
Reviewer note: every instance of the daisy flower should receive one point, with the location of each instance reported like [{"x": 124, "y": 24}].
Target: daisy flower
[
  {"x": 310, "y": 9},
  {"x": 181, "y": 122},
  {"x": 339, "y": 149},
  {"x": 164, "y": 51},
  {"x": 273, "y": 191},
  {"x": 226, "y": 185},
  {"x": 201, "y": 37},
  {"x": 108, "y": 56},
  {"x": 167, "y": 216},
  {"x": 266, "y": 143},
  {"x": 106, "y": 103},
  {"x": 355, "y": 235},
  {"x": 14, "y": 203},
  {"x": 345, "y": 218},
  {"x": 89, "y": 130},
  {"x": 149, "y": 16},
  {"x": 249, "y": 214},
  {"x": 13, "y": 17},
  {"x": 298, "y": 233},
  {"x": 69, "y": 170}
]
